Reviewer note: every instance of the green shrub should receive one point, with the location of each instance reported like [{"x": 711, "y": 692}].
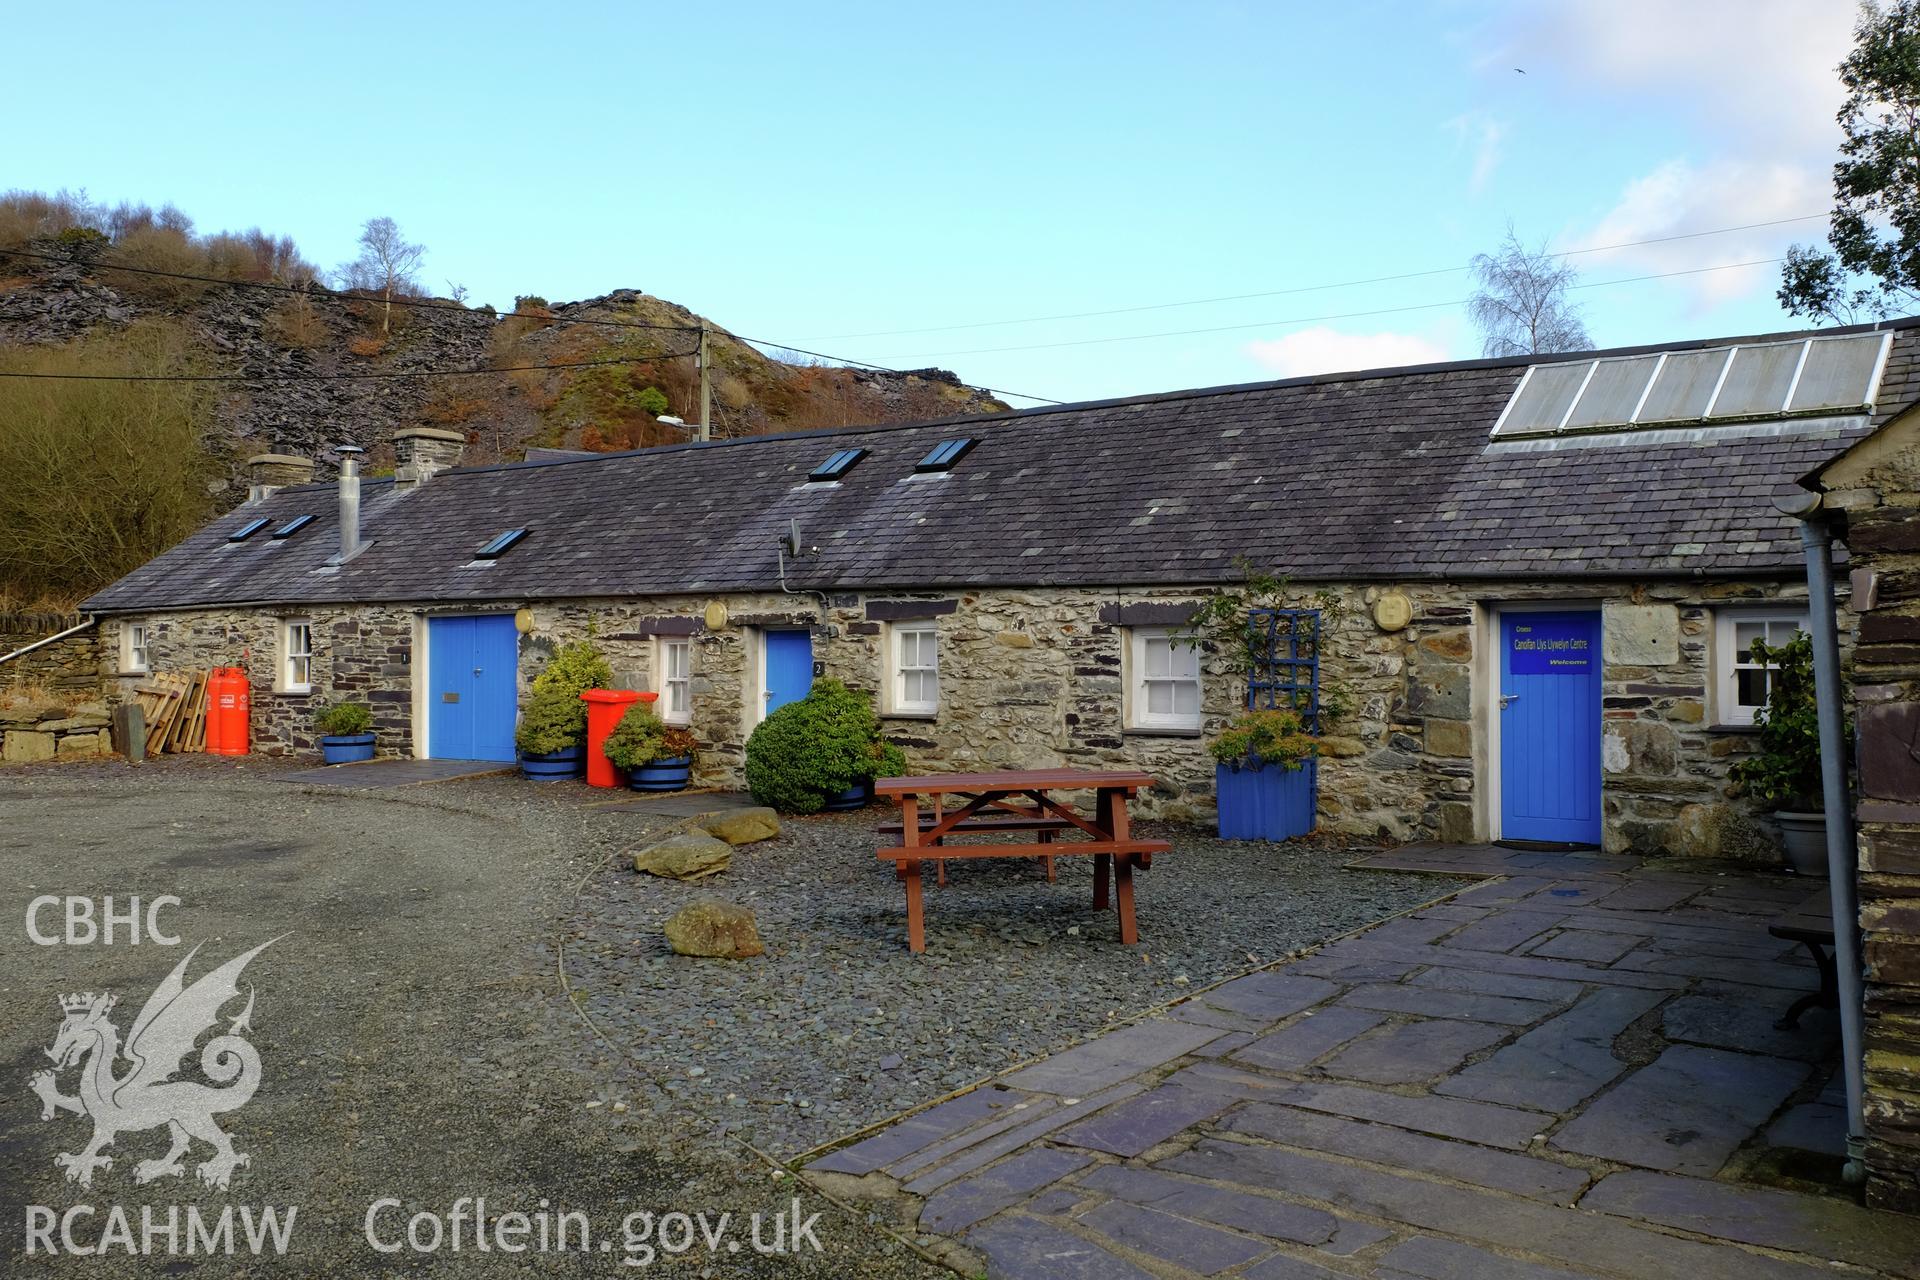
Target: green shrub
[
  {"x": 343, "y": 719},
  {"x": 1785, "y": 773},
  {"x": 1266, "y": 737},
  {"x": 554, "y": 718},
  {"x": 639, "y": 738},
  {"x": 811, "y": 750},
  {"x": 653, "y": 400}
]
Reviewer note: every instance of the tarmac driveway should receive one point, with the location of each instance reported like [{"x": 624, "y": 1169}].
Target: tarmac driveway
[{"x": 414, "y": 1044}]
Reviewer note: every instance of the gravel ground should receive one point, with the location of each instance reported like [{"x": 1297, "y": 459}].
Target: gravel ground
[
  {"x": 839, "y": 1026},
  {"x": 414, "y": 1038}
]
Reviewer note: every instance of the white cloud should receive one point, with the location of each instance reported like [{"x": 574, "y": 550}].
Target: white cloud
[
  {"x": 1325, "y": 350},
  {"x": 1680, "y": 197}
]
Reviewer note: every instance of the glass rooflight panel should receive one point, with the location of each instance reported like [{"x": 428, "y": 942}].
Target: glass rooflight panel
[
  {"x": 247, "y": 530},
  {"x": 1543, "y": 399},
  {"x": 944, "y": 455},
  {"x": 837, "y": 464},
  {"x": 1613, "y": 392},
  {"x": 292, "y": 526},
  {"x": 1839, "y": 373},
  {"x": 499, "y": 546},
  {"x": 1684, "y": 386},
  {"x": 1758, "y": 379}
]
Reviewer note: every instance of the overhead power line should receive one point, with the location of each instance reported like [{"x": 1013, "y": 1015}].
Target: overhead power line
[
  {"x": 1313, "y": 288},
  {"x": 1341, "y": 315},
  {"x": 864, "y": 364}
]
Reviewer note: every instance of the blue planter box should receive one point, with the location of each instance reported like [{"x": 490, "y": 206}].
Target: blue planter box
[
  {"x": 346, "y": 748},
  {"x": 854, "y": 797},
  {"x": 555, "y": 766},
  {"x": 1266, "y": 803},
  {"x": 662, "y": 775}
]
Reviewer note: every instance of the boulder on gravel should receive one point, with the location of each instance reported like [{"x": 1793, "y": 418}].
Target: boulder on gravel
[
  {"x": 714, "y": 928},
  {"x": 692, "y": 855},
  {"x": 741, "y": 826}
]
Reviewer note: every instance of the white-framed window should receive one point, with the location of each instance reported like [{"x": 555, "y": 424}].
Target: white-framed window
[
  {"x": 915, "y": 679},
  {"x": 133, "y": 648},
  {"x": 1164, "y": 680},
  {"x": 673, "y": 667},
  {"x": 1742, "y": 680},
  {"x": 296, "y": 655}
]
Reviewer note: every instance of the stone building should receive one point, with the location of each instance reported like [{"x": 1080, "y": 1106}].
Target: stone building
[{"x": 1539, "y": 580}]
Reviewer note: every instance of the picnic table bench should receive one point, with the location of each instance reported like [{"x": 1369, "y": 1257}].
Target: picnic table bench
[
  {"x": 1016, "y": 803},
  {"x": 1811, "y": 925}
]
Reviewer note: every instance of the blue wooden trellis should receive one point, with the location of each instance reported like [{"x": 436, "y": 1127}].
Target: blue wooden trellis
[{"x": 1283, "y": 646}]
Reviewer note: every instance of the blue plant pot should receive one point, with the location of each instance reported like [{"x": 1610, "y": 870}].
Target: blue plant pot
[
  {"x": 1265, "y": 802},
  {"x": 554, "y": 766},
  {"x": 346, "y": 748},
  {"x": 671, "y": 774},
  {"x": 855, "y": 797}
]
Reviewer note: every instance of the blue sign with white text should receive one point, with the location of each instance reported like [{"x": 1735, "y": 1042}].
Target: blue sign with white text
[{"x": 1551, "y": 647}]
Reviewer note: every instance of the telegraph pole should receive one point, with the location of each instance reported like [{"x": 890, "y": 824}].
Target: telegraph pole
[{"x": 705, "y": 429}]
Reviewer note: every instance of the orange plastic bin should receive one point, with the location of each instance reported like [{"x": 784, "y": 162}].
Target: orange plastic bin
[{"x": 604, "y": 709}]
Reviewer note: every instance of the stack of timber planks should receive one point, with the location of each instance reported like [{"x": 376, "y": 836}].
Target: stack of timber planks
[{"x": 175, "y": 709}]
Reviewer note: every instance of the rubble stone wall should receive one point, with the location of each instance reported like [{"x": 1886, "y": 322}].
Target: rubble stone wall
[{"x": 70, "y": 664}]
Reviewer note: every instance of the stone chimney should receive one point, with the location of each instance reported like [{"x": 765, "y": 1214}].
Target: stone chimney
[
  {"x": 418, "y": 452},
  {"x": 269, "y": 471}
]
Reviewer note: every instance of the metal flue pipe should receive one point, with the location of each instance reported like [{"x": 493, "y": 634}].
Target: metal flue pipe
[{"x": 349, "y": 500}]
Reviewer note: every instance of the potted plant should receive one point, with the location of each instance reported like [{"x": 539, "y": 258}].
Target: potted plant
[
  {"x": 346, "y": 732},
  {"x": 657, "y": 757},
  {"x": 820, "y": 752},
  {"x": 1784, "y": 775},
  {"x": 1264, "y": 776},
  {"x": 552, "y": 733}
]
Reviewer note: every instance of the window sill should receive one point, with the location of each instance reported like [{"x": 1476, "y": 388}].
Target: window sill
[
  {"x": 1733, "y": 728},
  {"x": 922, "y": 716},
  {"x": 303, "y": 691},
  {"x": 1135, "y": 731}
]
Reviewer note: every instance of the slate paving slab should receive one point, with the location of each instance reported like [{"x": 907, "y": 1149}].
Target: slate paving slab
[
  {"x": 1190, "y": 1244},
  {"x": 970, "y": 1200},
  {"x": 1413, "y": 1051},
  {"x": 917, "y": 1131},
  {"x": 1561, "y": 1062},
  {"x": 1589, "y": 945},
  {"x": 1400, "y": 1149},
  {"x": 1033, "y": 1250},
  {"x": 1436, "y": 1003},
  {"x": 1743, "y": 1018},
  {"x": 1685, "y": 1112},
  {"x": 1305, "y": 1039},
  {"x": 1282, "y": 1267},
  {"x": 977, "y": 1154},
  {"x": 1432, "y": 1259},
  {"x": 1814, "y": 1225},
  {"x": 1129, "y": 1127},
  {"x": 376, "y": 775},
  {"x": 1819, "y": 1127},
  {"x": 1518, "y": 986},
  {"x": 1208, "y": 1202},
  {"x": 1113, "y": 1057},
  {"x": 1481, "y": 1122},
  {"x": 1504, "y": 931},
  {"x": 1563, "y": 1236}
]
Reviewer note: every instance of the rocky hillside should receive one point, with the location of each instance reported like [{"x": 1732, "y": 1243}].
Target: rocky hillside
[{"x": 320, "y": 369}]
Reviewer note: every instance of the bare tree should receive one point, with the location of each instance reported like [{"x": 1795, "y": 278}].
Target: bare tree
[
  {"x": 387, "y": 265},
  {"x": 1520, "y": 303}
]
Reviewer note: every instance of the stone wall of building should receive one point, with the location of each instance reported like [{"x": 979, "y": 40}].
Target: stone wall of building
[
  {"x": 1032, "y": 678},
  {"x": 68, "y": 665}
]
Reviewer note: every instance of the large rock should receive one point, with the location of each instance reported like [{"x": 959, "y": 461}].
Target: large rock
[
  {"x": 741, "y": 826},
  {"x": 23, "y": 746},
  {"x": 691, "y": 855},
  {"x": 1641, "y": 635},
  {"x": 713, "y": 928}
]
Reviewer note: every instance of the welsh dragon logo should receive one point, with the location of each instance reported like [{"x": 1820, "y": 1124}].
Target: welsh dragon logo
[{"x": 145, "y": 1096}]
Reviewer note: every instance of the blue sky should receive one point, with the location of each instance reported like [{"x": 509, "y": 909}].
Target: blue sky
[{"x": 821, "y": 174}]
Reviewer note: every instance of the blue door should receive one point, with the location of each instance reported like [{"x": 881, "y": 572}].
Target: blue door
[
  {"x": 789, "y": 667},
  {"x": 472, "y": 687},
  {"x": 1550, "y": 727}
]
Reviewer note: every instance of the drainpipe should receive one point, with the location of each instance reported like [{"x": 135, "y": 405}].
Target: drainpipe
[{"x": 1842, "y": 856}]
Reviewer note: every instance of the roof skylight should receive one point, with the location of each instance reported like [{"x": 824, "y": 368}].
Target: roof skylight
[
  {"x": 247, "y": 530},
  {"x": 945, "y": 454},
  {"x": 500, "y": 545},
  {"x": 1800, "y": 376},
  {"x": 292, "y": 526},
  {"x": 837, "y": 464}
]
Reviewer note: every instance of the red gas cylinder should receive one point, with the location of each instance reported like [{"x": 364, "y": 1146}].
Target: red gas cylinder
[
  {"x": 604, "y": 709},
  {"x": 228, "y": 707}
]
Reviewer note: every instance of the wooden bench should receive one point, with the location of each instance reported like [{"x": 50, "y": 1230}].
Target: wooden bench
[
  {"x": 1013, "y": 804},
  {"x": 1811, "y": 925}
]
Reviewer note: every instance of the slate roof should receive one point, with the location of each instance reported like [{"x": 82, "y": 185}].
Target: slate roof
[{"x": 1385, "y": 474}]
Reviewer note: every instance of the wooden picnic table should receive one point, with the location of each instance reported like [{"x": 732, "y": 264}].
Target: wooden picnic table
[
  {"x": 1811, "y": 925},
  {"x": 1019, "y": 804}
]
